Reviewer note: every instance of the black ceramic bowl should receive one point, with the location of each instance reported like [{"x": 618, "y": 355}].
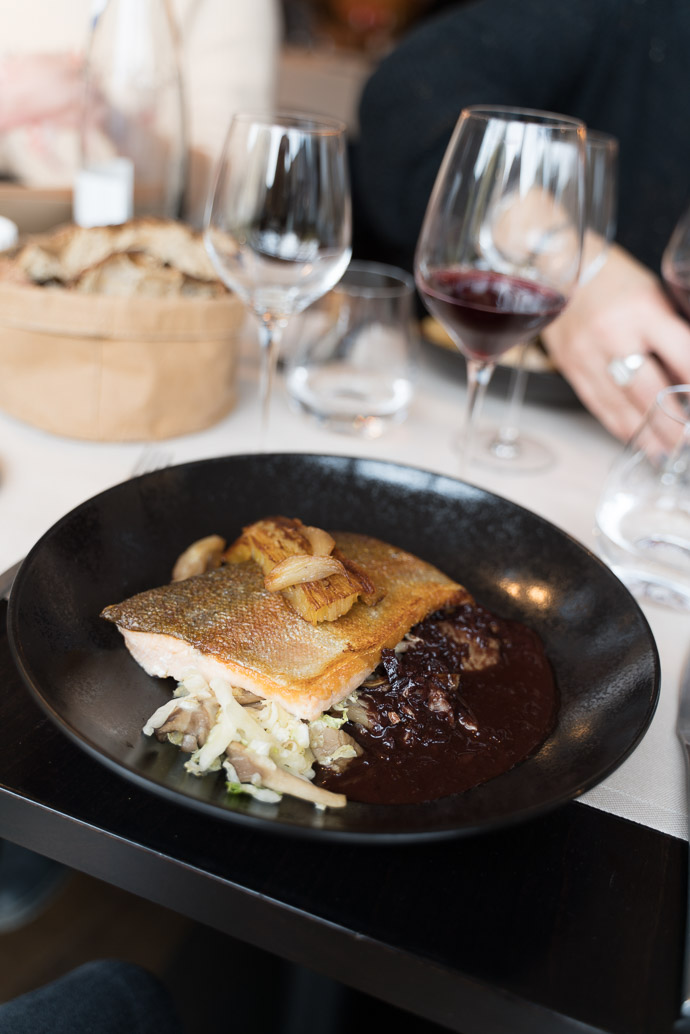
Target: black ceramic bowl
[{"x": 126, "y": 539}]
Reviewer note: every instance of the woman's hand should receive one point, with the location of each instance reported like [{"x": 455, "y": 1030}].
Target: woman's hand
[{"x": 623, "y": 312}]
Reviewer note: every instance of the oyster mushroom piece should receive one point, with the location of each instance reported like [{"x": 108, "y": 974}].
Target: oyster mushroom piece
[
  {"x": 185, "y": 721},
  {"x": 203, "y": 555},
  {"x": 360, "y": 714},
  {"x": 251, "y": 768},
  {"x": 482, "y": 651},
  {"x": 332, "y": 747},
  {"x": 189, "y": 727}
]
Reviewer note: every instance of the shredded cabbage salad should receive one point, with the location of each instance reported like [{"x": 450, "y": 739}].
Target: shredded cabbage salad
[{"x": 265, "y": 729}]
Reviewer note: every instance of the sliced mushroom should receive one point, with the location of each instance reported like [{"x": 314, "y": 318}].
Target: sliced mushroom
[
  {"x": 360, "y": 715},
  {"x": 327, "y": 743},
  {"x": 189, "y": 724},
  {"x": 245, "y": 696},
  {"x": 203, "y": 555},
  {"x": 249, "y": 765},
  {"x": 482, "y": 651}
]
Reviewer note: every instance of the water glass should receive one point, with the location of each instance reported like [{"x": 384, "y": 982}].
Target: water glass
[
  {"x": 351, "y": 366},
  {"x": 643, "y": 516}
]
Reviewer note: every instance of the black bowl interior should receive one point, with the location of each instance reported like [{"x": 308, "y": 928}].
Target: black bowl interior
[{"x": 126, "y": 539}]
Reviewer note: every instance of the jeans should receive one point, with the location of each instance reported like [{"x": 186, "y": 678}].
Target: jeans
[{"x": 104, "y": 997}]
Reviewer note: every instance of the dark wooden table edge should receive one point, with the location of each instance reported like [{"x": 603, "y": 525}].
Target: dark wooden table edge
[{"x": 454, "y": 1000}]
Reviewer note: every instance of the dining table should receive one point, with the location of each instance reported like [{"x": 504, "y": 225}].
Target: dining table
[{"x": 569, "y": 921}]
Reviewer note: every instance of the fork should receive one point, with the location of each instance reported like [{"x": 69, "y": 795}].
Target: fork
[{"x": 150, "y": 459}]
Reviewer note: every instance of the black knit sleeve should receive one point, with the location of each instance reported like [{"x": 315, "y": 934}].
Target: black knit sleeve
[{"x": 527, "y": 53}]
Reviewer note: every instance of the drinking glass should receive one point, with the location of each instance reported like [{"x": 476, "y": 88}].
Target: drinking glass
[
  {"x": 351, "y": 367},
  {"x": 278, "y": 221},
  {"x": 501, "y": 243},
  {"x": 643, "y": 514},
  {"x": 507, "y": 448}
]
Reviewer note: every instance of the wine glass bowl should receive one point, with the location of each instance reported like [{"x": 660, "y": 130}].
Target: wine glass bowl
[
  {"x": 675, "y": 264},
  {"x": 278, "y": 220},
  {"x": 500, "y": 247},
  {"x": 505, "y": 448},
  {"x": 601, "y": 201}
]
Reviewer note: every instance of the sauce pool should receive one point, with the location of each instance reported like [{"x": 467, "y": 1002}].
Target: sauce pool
[{"x": 468, "y": 697}]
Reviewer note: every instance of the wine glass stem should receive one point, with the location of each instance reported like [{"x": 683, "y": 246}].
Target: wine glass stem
[
  {"x": 509, "y": 431},
  {"x": 478, "y": 377},
  {"x": 270, "y": 332}
]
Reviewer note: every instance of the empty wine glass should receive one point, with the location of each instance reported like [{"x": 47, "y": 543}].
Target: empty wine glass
[
  {"x": 507, "y": 448},
  {"x": 501, "y": 244},
  {"x": 278, "y": 221}
]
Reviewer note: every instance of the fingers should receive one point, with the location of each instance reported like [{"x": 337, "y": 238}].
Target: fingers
[
  {"x": 644, "y": 324},
  {"x": 615, "y": 407}
]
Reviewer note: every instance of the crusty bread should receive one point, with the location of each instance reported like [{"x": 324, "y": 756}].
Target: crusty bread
[
  {"x": 38, "y": 264},
  {"x": 145, "y": 256},
  {"x": 134, "y": 273},
  {"x": 174, "y": 244}
]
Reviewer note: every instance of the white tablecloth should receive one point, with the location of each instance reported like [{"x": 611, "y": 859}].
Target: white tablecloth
[{"x": 42, "y": 477}]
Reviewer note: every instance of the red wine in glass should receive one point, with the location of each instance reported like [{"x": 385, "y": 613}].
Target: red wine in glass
[
  {"x": 501, "y": 242},
  {"x": 489, "y": 312}
]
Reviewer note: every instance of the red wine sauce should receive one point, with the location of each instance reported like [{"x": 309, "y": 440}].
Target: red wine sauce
[{"x": 439, "y": 722}]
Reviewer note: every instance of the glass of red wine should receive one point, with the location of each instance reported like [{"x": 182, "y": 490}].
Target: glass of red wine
[
  {"x": 501, "y": 244},
  {"x": 506, "y": 448}
]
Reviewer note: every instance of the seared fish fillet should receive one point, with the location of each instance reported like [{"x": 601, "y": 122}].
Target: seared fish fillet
[{"x": 224, "y": 623}]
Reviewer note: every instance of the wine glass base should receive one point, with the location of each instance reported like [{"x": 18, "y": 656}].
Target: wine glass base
[{"x": 521, "y": 455}]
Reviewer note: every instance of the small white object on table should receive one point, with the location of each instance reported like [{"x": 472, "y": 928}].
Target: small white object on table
[
  {"x": 104, "y": 193},
  {"x": 9, "y": 233}
]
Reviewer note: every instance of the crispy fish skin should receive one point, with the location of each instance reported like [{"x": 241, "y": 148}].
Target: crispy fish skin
[{"x": 227, "y": 618}]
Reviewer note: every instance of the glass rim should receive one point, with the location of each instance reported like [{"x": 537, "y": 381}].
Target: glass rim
[
  {"x": 603, "y": 139},
  {"x": 305, "y": 121},
  {"x": 504, "y": 113},
  {"x": 672, "y": 390},
  {"x": 403, "y": 281}
]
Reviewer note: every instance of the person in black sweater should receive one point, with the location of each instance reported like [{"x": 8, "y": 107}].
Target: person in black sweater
[{"x": 619, "y": 65}]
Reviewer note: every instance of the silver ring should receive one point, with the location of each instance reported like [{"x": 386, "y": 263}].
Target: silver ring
[{"x": 624, "y": 369}]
